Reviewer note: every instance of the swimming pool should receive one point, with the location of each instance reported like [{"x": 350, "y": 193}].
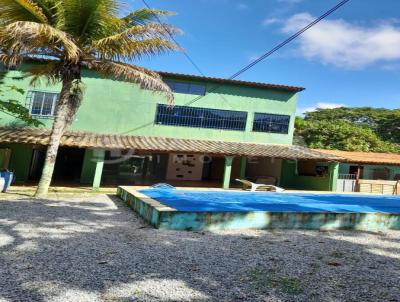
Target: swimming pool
[
  {"x": 233, "y": 201},
  {"x": 218, "y": 209}
]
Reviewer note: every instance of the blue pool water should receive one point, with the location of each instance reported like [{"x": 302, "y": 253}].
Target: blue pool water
[{"x": 218, "y": 201}]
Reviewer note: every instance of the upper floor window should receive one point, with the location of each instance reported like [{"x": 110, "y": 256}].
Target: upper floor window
[
  {"x": 186, "y": 87},
  {"x": 201, "y": 117},
  {"x": 274, "y": 123},
  {"x": 42, "y": 104}
]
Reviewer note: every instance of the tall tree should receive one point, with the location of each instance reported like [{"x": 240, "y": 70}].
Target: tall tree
[
  {"x": 351, "y": 129},
  {"x": 384, "y": 122},
  {"x": 74, "y": 34}
]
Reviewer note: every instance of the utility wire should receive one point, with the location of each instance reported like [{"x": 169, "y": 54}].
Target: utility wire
[
  {"x": 175, "y": 41},
  {"x": 276, "y": 48},
  {"x": 288, "y": 40},
  {"x": 255, "y": 62}
]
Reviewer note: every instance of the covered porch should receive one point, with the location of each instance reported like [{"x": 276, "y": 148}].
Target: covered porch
[{"x": 111, "y": 159}]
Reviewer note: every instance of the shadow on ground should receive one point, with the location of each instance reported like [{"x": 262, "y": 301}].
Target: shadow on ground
[{"x": 98, "y": 250}]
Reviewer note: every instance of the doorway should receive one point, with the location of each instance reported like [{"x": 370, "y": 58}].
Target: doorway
[
  {"x": 68, "y": 166},
  {"x": 354, "y": 170}
]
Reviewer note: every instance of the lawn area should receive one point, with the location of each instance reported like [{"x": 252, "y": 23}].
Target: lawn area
[{"x": 94, "y": 248}]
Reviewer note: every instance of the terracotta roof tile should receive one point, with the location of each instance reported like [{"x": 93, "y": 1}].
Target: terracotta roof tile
[
  {"x": 229, "y": 81},
  {"x": 161, "y": 144},
  {"x": 364, "y": 157}
]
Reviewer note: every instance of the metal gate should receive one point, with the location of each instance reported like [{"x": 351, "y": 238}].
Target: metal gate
[{"x": 346, "y": 183}]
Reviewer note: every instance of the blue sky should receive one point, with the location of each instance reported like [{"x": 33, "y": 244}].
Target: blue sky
[{"x": 352, "y": 58}]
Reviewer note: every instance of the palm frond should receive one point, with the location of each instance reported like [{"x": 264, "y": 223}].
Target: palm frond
[
  {"x": 89, "y": 19},
  {"x": 10, "y": 60},
  {"x": 145, "y": 15},
  {"x": 43, "y": 72},
  {"x": 21, "y": 10},
  {"x": 29, "y": 37},
  {"x": 138, "y": 32},
  {"x": 132, "y": 50},
  {"x": 145, "y": 78}
]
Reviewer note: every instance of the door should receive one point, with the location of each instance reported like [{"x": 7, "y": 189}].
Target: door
[
  {"x": 5, "y": 155},
  {"x": 354, "y": 170},
  {"x": 37, "y": 162},
  {"x": 68, "y": 165}
]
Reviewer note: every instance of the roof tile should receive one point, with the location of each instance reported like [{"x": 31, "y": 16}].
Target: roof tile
[{"x": 160, "y": 144}]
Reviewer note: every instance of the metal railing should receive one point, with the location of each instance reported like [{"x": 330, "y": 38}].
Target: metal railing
[{"x": 348, "y": 176}]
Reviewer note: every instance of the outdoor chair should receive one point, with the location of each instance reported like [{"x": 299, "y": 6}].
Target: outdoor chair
[
  {"x": 248, "y": 185},
  {"x": 267, "y": 180}
]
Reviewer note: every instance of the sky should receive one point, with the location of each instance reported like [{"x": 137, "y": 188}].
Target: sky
[{"x": 352, "y": 58}]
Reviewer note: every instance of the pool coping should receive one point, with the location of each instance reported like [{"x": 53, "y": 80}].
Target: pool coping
[{"x": 164, "y": 217}]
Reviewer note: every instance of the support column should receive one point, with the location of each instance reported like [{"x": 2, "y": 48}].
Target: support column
[
  {"x": 92, "y": 167},
  {"x": 242, "y": 167},
  {"x": 333, "y": 175},
  {"x": 99, "y": 163},
  {"x": 227, "y": 172}
]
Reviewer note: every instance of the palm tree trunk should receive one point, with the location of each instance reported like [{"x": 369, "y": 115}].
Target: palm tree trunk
[{"x": 65, "y": 112}]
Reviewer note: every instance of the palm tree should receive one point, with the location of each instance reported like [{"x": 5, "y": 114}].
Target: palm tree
[{"x": 69, "y": 35}]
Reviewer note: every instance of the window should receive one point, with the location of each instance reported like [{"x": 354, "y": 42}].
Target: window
[
  {"x": 186, "y": 87},
  {"x": 201, "y": 117},
  {"x": 42, "y": 104},
  {"x": 274, "y": 123}
]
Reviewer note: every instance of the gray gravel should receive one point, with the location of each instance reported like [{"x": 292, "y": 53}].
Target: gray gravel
[{"x": 96, "y": 249}]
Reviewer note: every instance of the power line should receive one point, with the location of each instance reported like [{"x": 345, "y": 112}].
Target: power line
[
  {"x": 255, "y": 62},
  {"x": 276, "y": 48},
  {"x": 175, "y": 41},
  {"x": 288, "y": 40}
]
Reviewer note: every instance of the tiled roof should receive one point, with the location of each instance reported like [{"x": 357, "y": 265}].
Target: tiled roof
[
  {"x": 206, "y": 78},
  {"x": 40, "y": 136},
  {"x": 229, "y": 81},
  {"x": 365, "y": 157}
]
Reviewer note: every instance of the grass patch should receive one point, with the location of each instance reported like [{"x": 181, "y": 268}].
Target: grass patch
[{"x": 263, "y": 280}]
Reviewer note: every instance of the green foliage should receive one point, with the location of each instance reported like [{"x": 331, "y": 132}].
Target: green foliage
[
  {"x": 351, "y": 129},
  {"x": 92, "y": 34},
  {"x": 15, "y": 109}
]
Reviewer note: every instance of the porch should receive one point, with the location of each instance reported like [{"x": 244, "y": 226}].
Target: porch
[{"x": 102, "y": 159}]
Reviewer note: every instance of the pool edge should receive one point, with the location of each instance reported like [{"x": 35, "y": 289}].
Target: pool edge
[{"x": 164, "y": 217}]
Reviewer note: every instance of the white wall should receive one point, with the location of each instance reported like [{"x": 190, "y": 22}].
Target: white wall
[
  {"x": 264, "y": 167},
  {"x": 184, "y": 167}
]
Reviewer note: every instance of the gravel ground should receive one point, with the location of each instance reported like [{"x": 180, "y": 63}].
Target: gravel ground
[{"x": 96, "y": 249}]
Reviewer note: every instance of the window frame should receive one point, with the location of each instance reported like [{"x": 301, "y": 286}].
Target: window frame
[
  {"x": 30, "y": 99},
  {"x": 205, "y": 111},
  {"x": 172, "y": 83},
  {"x": 269, "y": 128}
]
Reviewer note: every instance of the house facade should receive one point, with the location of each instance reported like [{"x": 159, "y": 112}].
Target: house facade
[
  {"x": 367, "y": 172},
  {"x": 217, "y": 130}
]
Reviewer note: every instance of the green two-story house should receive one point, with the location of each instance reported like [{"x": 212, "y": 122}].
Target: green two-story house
[{"x": 216, "y": 130}]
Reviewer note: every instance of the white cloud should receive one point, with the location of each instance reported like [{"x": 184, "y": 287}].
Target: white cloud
[
  {"x": 270, "y": 21},
  {"x": 345, "y": 44},
  {"x": 320, "y": 105}
]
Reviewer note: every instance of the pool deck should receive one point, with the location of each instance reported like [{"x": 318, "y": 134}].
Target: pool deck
[{"x": 164, "y": 217}]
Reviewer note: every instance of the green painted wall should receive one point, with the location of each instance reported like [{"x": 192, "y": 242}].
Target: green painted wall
[
  {"x": 290, "y": 179},
  {"x": 20, "y": 160},
  {"x": 369, "y": 170},
  {"x": 333, "y": 175},
  {"x": 92, "y": 167},
  {"x": 118, "y": 107},
  {"x": 88, "y": 167}
]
